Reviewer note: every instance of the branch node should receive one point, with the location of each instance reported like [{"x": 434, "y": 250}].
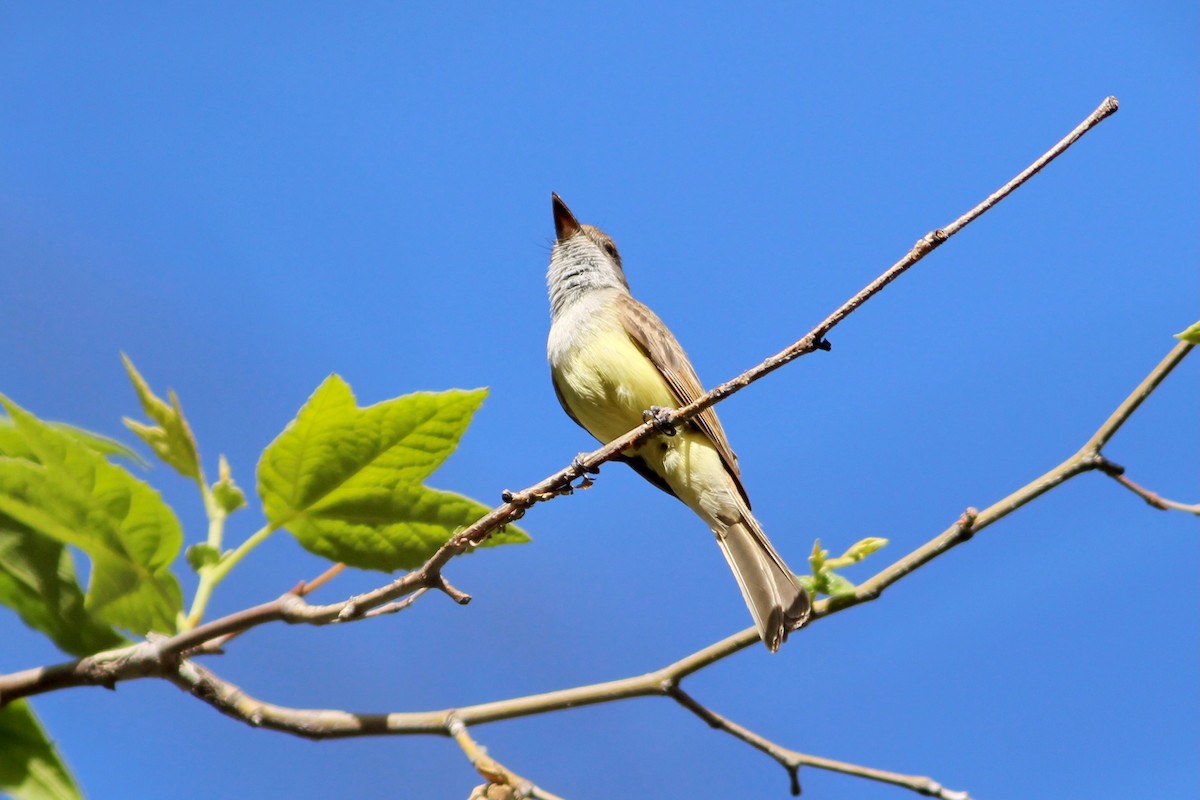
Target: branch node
[
  {"x": 523, "y": 500},
  {"x": 931, "y": 788},
  {"x": 821, "y": 343},
  {"x": 1109, "y": 468},
  {"x": 457, "y": 595},
  {"x": 350, "y": 611},
  {"x": 965, "y": 526}
]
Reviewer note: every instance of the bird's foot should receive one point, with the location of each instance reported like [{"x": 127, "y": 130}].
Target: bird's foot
[
  {"x": 578, "y": 463},
  {"x": 660, "y": 418}
]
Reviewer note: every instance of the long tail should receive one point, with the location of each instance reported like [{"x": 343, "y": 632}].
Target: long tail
[{"x": 776, "y": 600}]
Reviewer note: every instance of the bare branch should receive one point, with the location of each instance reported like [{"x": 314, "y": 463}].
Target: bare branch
[
  {"x": 815, "y": 340},
  {"x": 325, "y": 577},
  {"x": 495, "y": 773},
  {"x": 1153, "y": 498},
  {"x": 399, "y": 605},
  {"x": 1088, "y": 458},
  {"x": 1136, "y": 398},
  {"x": 792, "y": 761}
]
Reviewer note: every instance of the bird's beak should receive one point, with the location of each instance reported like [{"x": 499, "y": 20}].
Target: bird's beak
[{"x": 565, "y": 224}]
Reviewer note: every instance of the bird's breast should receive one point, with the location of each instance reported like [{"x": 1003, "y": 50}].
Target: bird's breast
[{"x": 605, "y": 379}]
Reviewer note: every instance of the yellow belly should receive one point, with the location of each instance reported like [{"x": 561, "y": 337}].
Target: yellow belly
[{"x": 607, "y": 382}]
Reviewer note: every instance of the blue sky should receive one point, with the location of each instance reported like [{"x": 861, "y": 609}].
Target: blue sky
[{"x": 247, "y": 198}]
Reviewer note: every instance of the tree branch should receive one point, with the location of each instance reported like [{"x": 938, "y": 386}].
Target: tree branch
[
  {"x": 792, "y": 761},
  {"x": 496, "y": 774},
  {"x": 1153, "y": 498}
]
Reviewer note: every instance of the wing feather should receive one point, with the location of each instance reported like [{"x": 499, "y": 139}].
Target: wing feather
[{"x": 656, "y": 340}]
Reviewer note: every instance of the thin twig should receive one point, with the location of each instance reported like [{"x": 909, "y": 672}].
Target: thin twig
[
  {"x": 325, "y": 577},
  {"x": 397, "y": 606},
  {"x": 495, "y": 773},
  {"x": 815, "y": 340},
  {"x": 792, "y": 761},
  {"x": 1155, "y": 499}
]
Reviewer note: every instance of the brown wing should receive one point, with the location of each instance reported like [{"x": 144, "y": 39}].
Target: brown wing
[{"x": 657, "y": 342}]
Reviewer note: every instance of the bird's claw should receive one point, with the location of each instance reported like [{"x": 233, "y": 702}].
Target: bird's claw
[
  {"x": 578, "y": 463},
  {"x": 659, "y": 417}
]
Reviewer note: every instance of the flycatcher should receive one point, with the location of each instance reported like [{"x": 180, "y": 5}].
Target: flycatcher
[{"x": 611, "y": 360}]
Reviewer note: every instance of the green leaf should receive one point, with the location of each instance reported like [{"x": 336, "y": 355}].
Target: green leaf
[
  {"x": 346, "y": 481},
  {"x": 229, "y": 495},
  {"x": 37, "y": 580},
  {"x": 30, "y": 766},
  {"x": 101, "y": 444},
  {"x": 171, "y": 439},
  {"x": 857, "y": 552},
  {"x": 1191, "y": 334},
  {"x": 37, "y": 574},
  {"x": 12, "y": 442},
  {"x": 200, "y": 556},
  {"x": 389, "y": 528},
  {"x": 816, "y": 560},
  {"x": 835, "y": 585},
  {"x": 73, "y": 495}
]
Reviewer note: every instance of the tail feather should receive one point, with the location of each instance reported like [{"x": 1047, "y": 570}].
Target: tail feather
[{"x": 775, "y": 598}]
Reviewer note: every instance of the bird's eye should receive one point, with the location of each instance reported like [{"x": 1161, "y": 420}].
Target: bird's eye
[{"x": 611, "y": 249}]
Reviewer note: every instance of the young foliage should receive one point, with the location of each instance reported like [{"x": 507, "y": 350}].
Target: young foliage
[
  {"x": 12, "y": 442},
  {"x": 227, "y": 494},
  {"x": 1191, "y": 334},
  {"x": 347, "y": 481},
  {"x": 171, "y": 438},
  {"x": 824, "y": 580},
  {"x": 71, "y": 494},
  {"x": 30, "y": 766}
]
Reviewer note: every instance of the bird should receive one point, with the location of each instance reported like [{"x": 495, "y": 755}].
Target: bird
[{"x": 613, "y": 362}]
